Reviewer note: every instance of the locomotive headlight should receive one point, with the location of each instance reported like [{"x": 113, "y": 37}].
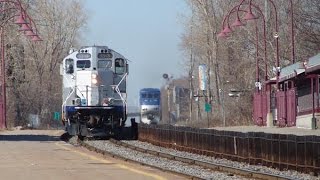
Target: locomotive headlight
[
  {"x": 94, "y": 81},
  {"x": 94, "y": 78}
]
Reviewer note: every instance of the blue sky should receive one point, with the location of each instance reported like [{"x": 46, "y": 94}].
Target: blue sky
[{"x": 147, "y": 32}]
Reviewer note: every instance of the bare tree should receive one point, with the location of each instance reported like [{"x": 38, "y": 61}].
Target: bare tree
[
  {"x": 232, "y": 61},
  {"x": 307, "y": 28},
  {"x": 37, "y": 86}
]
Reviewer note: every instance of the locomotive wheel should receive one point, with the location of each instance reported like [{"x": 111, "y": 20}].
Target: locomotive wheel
[{"x": 81, "y": 137}]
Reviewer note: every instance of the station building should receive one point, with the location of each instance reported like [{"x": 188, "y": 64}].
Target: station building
[{"x": 294, "y": 100}]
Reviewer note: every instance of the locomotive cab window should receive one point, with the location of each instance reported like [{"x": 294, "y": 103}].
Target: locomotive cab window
[
  {"x": 69, "y": 66},
  {"x": 120, "y": 66},
  {"x": 83, "y": 64},
  {"x": 104, "y": 64}
]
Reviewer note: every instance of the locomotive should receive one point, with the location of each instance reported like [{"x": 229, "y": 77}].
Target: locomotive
[
  {"x": 150, "y": 105},
  {"x": 94, "y": 92}
]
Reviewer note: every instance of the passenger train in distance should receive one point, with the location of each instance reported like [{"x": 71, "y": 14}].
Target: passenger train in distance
[
  {"x": 94, "y": 92},
  {"x": 150, "y": 105}
]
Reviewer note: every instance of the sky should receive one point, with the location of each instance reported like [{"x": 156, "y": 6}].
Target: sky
[{"x": 147, "y": 32}]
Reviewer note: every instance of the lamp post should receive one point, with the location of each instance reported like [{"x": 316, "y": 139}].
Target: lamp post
[
  {"x": 250, "y": 16},
  {"x": 292, "y": 34},
  {"x": 237, "y": 23},
  {"x": 277, "y": 29},
  {"x": 276, "y": 35},
  {"x": 258, "y": 95},
  {"x": 29, "y": 28}
]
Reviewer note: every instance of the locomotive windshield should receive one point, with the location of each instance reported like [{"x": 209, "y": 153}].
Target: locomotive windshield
[
  {"x": 119, "y": 66},
  {"x": 156, "y": 95},
  {"x": 150, "y": 95},
  {"x": 102, "y": 64},
  {"x": 69, "y": 66},
  {"x": 83, "y": 64}
]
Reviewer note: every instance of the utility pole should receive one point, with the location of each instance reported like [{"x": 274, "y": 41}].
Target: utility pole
[
  {"x": 168, "y": 93},
  {"x": 191, "y": 68},
  {"x": 168, "y": 79}
]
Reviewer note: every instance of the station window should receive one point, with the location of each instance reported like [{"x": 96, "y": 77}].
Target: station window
[
  {"x": 104, "y": 64},
  {"x": 69, "y": 67},
  {"x": 83, "y": 64},
  {"x": 120, "y": 66}
]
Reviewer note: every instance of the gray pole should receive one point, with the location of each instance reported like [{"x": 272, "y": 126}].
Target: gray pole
[
  {"x": 168, "y": 92},
  {"x": 222, "y": 107},
  {"x": 191, "y": 68},
  {"x": 266, "y": 9}
]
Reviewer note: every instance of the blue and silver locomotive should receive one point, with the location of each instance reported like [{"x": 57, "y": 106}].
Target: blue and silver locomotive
[
  {"x": 150, "y": 105},
  {"x": 94, "y": 91}
]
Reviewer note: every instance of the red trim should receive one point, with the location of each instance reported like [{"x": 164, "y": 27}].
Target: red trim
[
  {"x": 309, "y": 111},
  {"x": 271, "y": 82},
  {"x": 312, "y": 76},
  {"x": 312, "y": 68}
]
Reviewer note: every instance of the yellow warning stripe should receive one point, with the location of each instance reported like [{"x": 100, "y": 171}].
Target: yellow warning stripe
[{"x": 106, "y": 161}]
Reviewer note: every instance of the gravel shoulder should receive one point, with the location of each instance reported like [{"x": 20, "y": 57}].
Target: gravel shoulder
[{"x": 290, "y": 174}]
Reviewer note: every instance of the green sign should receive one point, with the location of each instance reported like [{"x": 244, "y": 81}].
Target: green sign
[
  {"x": 207, "y": 107},
  {"x": 56, "y": 116}
]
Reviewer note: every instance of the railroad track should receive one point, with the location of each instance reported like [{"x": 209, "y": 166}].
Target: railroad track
[
  {"x": 92, "y": 148},
  {"x": 205, "y": 164}
]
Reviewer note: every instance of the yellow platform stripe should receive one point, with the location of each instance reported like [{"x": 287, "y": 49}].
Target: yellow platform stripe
[{"x": 106, "y": 161}]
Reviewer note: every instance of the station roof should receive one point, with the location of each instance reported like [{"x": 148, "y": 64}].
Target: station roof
[
  {"x": 313, "y": 64},
  {"x": 297, "y": 68},
  {"x": 291, "y": 71}
]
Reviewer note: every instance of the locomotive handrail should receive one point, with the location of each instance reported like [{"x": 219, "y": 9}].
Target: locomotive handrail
[
  {"x": 73, "y": 76},
  {"x": 67, "y": 97},
  {"x": 73, "y": 90},
  {"x": 118, "y": 91},
  {"x": 81, "y": 92}
]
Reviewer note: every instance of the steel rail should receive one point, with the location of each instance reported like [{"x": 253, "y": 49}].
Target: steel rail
[
  {"x": 206, "y": 164},
  {"x": 105, "y": 153}
]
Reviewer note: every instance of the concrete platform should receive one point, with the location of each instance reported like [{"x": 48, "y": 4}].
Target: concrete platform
[
  {"x": 39, "y": 154},
  {"x": 272, "y": 130}
]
